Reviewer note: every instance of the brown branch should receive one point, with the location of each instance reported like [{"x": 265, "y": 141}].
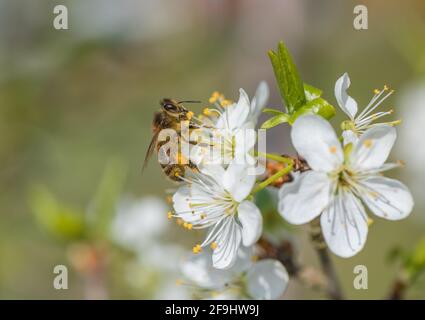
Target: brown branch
[
  {"x": 398, "y": 290},
  {"x": 284, "y": 253},
  {"x": 334, "y": 290}
]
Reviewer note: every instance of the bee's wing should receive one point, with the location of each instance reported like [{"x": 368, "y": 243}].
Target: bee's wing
[{"x": 150, "y": 151}]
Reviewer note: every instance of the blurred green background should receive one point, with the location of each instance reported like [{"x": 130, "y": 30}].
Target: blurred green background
[{"x": 77, "y": 102}]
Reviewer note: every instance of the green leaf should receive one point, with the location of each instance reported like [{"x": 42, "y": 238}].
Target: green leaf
[
  {"x": 311, "y": 92},
  {"x": 272, "y": 111},
  {"x": 56, "y": 218},
  {"x": 289, "y": 82},
  {"x": 103, "y": 205},
  {"x": 276, "y": 120},
  {"x": 317, "y": 106}
]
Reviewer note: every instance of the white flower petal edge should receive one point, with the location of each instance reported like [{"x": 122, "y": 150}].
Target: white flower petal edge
[
  {"x": 252, "y": 222},
  {"x": 238, "y": 182},
  {"x": 215, "y": 199},
  {"x": 228, "y": 243},
  {"x": 305, "y": 198},
  {"x": 267, "y": 279},
  {"x": 316, "y": 141},
  {"x": 235, "y": 115},
  {"x": 264, "y": 279},
  {"x": 259, "y": 102},
  {"x": 389, "y": 198},
  {"x": 198, "y": 269},
  {"x": 345, "y": 102},
  {"x": 344, "y": 225},
  {"x": 356, "y": 177},
  {"x": 373, "y": 148}
]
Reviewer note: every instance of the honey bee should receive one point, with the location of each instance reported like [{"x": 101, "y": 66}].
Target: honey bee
[{"x": 170, "y": 117}]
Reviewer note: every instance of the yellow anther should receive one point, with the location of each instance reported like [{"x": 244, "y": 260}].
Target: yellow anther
[
  {"x": 226, "y": 103},
  {"x": 176, "y": 174},
  {"x": 332, "y": 149},
  {"x": 385, "y": 87},
  {"x": 169, "y": 199},
  {"x": 391, "y": 111},
  {"x": 368, "y": 143},
  {"x": 214, "y": 97},
  {"x": 189, "y": 115},
  {"x": 376, "y": 91},
  {"x": 395, "y": 123},
  {"x": 169, "y": 215},
  {"x": 369, "y": 221},
  {"x": 206, "y": 112},
  {"x": 179, "y": 221},
  {"x": 189, "y": 226},
  {"x": 196, "y": 249},
  {"x": 214, "y": 245}
]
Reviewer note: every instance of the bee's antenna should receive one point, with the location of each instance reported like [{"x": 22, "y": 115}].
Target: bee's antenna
[{"x": 190, "y": 101}]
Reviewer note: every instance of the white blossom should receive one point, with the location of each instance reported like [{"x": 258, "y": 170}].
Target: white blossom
[
  {"x": 357, "y": 124},
  {"x": 263, "y": 279},
  {"x": 340, "y": 180},
  {"x": 228, "y": 130},
  {"x": 218, "y": 199}
]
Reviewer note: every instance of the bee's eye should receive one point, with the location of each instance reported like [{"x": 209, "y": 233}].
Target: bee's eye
[{"x": 170, "y": 107}]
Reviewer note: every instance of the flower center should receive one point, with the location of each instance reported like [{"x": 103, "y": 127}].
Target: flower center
[{"x": 343, "y": 176}]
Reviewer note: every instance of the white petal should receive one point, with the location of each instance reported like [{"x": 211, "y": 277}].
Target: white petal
[
  {"x": 215, "y": 171},
  {"x": 198, "y": 269},
  {"x": 373, "y": 147},
  {"x": 244, "y": 140},
  {"x": 387, "y": 198},
  {"x": 228, "y": 242},
  {"x": 181, "y": 199},
  {"x": 238, "y": 182},
  {"x": 344, "y": 225},
  {"x": 345, "y": 102},
  {"x": 259, "y": 101},
  {"x": 305, "y": 198},
  {"x": 316, "y": 141},
  {"x": 267, "y": 279},
  {"x": 252, "y": 222},
  {"x": 349, "y": 136},
  {"x": 243, "y": 261},
  {"x": 235, "y": 115}
]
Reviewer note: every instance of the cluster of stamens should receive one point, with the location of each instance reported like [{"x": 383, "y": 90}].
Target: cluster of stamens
[{"x": 364, "y": 120}]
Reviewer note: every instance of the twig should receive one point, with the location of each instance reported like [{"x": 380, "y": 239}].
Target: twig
[
  {"x": 398, "y": 289},
  {"x": 334, "y": 288},
  {"x": 284, "y": 252}
]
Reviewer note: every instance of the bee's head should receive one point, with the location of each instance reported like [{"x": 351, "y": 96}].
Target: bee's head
[{"x": 173, "y": 108}]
